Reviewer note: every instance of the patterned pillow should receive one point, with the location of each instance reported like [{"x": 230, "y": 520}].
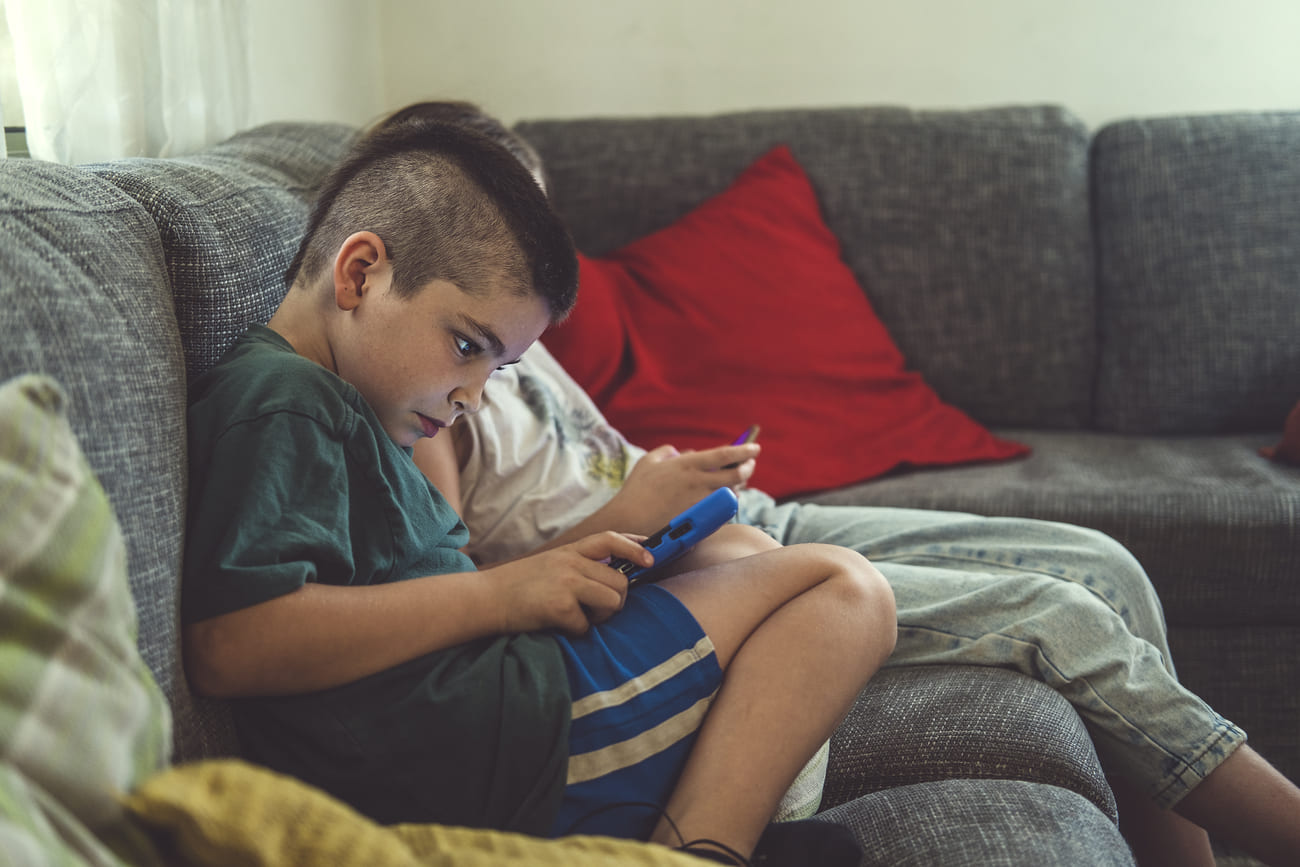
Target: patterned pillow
[{"x": 81, "y": 719}]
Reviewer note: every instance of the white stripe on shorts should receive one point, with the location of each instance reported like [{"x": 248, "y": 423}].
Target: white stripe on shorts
[
  {"x": 624, "y": 754},
  {"x": 630, "y": 689}
]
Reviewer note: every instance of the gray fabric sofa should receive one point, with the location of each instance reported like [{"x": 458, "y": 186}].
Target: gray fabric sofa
[
  {"x": 1125, "y": 302},
  {"x": 1143, "y": 352}
]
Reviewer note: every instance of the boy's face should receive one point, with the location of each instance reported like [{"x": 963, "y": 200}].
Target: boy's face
[{"x": 422, "y": 361}]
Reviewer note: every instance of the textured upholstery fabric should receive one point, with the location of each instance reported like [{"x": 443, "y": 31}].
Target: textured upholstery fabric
[
  {"x": 85, "y": 279},
  {"x": 931, "y": 723},
  {"x": 968, "y": 231},
  {"x": 1236, "y": 670},
  {"x": 992, "y": 823},
  {"x": 1212, "y": 521},
  {"x": 84, "y": 298},
  {"x": 1198, "y": 236},
  {"x": 230, "y": 219}
]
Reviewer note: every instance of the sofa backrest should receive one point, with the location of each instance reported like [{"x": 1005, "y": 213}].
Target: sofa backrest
[
  {"x": 968, "y": 230},
  {"x": 84, "y": 297},
  {"x": 1198, "y": 245},
  {"x": 230, "y": 219},
  {"x": 100, "y": 262}
]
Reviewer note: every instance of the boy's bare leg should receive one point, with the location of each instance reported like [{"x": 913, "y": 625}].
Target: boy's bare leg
[
  {"x": 798, "y": 632},
  {"x": 1159, "y": 838},
  {"x": 1247, "y": 801}
]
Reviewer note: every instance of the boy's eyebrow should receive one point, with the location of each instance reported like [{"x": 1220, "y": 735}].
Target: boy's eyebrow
[{"x": 488, "y": 336}]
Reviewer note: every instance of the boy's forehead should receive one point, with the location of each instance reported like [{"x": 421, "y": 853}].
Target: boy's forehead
[{"x": 499, "y": 313}]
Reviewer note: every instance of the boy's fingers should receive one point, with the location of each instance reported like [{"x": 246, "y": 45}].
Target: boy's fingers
[
  {"x": 601, "y": 601},
  {"x": 608, "y": 545},
  {"x": 730, "y": 457},
  {"x": 577, "y": 625}
]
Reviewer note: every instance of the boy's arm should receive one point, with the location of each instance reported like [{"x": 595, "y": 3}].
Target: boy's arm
[
  {"x": 323, "y": 635},
  {"x": 662, "y": 485}
]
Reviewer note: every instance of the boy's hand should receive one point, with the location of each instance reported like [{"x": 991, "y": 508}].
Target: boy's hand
[
  {"x": 567, "y": 588},
  {"x": 665, "y": 482}
]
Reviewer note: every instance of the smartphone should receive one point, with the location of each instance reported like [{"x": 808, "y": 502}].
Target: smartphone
[
  {"x": 750, "y": 434},
  {"x": 680, "y": 535}
]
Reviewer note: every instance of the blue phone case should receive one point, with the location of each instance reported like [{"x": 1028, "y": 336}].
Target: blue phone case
[{"x": 681, "y": 535}]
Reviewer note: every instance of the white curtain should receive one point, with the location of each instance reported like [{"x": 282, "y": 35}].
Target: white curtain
[{"x": 103, "y": 79}]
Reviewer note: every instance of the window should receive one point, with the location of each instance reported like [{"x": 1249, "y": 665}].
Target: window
[{"x": 11, "y": 106}]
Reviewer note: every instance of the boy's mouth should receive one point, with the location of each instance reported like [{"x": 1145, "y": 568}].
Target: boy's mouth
[{"x": 430, "y": 426}]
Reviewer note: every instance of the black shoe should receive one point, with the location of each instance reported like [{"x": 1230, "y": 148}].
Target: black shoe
[
  {"x": 712, "y": 850},
  {"x": 807, "y": 842}
]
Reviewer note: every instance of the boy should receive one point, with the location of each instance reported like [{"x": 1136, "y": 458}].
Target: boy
[
  {"x": 1075, "y": 598},
  {"x": 326, "y": 592}
]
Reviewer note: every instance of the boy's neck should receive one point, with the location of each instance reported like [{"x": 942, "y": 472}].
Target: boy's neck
[{"x": 300, "y": 320}]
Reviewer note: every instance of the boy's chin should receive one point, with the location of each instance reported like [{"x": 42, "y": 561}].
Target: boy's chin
[{"x": 405, "y": 437}]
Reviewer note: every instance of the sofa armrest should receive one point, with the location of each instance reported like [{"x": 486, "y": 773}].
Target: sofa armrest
[{"x": 928, "y": 723}]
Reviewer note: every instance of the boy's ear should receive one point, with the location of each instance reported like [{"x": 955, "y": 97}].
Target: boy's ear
[{"x": 359, "y": 267}]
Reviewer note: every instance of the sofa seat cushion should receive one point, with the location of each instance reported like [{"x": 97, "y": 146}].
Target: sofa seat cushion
[
  {"x": 982, "y": 822},
  {"x": 1213, "y": 521},
  {"x": 923, "y": 723}
]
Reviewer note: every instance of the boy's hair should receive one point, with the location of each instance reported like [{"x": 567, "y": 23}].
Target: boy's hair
[
  {"x": 467, "y": 114},
  {"x": 448, "y": 203}
]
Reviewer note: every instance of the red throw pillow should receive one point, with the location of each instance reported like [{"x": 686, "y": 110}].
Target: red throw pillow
[
  {"x": 742, "y": 312},
  {"x": 1287, "y": 450}
]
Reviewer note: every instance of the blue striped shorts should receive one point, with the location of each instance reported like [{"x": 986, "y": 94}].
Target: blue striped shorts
[{"x": 641, "y": 684}]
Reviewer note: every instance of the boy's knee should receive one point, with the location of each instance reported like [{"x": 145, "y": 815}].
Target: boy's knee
[
  {"x": 728, "y": 542},
  {"x": 861, "y": 589}
]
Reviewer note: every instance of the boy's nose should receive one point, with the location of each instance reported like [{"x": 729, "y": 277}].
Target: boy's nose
[{"x": 467, "y": 398}]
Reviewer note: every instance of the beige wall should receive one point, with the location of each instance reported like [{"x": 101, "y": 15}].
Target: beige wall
[
  {"x": 350, "y": 61},
  {"x": 315, "y": 60},
  {"x": 1104, "y": 58}
]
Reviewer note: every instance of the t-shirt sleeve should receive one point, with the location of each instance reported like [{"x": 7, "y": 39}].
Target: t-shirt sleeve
[{"x": 268, "y": 512}]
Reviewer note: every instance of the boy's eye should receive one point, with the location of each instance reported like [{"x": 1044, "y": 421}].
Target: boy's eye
[{"x": 467, "y": 347}]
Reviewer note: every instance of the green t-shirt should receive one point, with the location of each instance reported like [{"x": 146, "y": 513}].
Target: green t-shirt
[{"x": 292, "y": 479}]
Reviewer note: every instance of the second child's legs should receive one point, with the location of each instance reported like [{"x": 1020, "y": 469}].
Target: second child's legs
[
  {"x": 798, "y": 632},
  {"x": 973, "y": 590},
  {"x": 1246, "y": 800},
  {"x": 1158, "y": 838}
]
